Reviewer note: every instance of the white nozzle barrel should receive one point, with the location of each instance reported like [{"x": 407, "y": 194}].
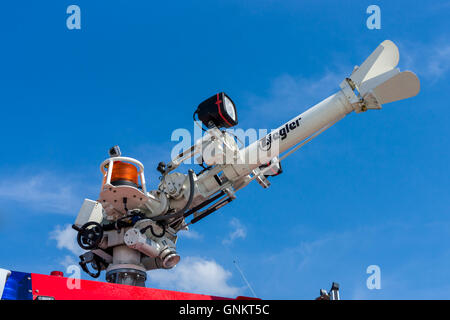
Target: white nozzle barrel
[{"x": 295, "y": 130}]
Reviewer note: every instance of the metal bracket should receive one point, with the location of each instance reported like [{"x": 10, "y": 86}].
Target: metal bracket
[{"x": 260, "y": 178}]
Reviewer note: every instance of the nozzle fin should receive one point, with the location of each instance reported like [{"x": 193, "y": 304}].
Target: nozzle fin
[
  {"x": 401, "y": 86},
  {"x": 383, "y": 59}
]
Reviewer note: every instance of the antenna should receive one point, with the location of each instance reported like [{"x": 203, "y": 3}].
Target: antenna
[{"x": 245, "y": 279}]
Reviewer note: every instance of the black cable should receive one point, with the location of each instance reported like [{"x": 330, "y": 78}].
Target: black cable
[
  {"x": 210, "y": 210},
  {"x": 204, "y": 169},
  {"x": 198, "y": 207},
  {"x": 204, "y": 204},
  {"x": 96, "y": 263},
  {"x": 122, "y": 224},
  {"x": 153, "y": 231}
]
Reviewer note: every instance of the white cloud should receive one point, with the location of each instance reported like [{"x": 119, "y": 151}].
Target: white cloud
[
  {"x": 239, "y": 232},
  {"x": 430, "y": 60},
  {"x": 68, "y": 261},
  {"x": 43, "y": 192},
  {"x": 303, "y": 254},
  {"x": 196, "y": 275},
  {"x": 439, "y": 62},
  {"x": 189, "y": 234},
  {"x": 65, "y": 238}
]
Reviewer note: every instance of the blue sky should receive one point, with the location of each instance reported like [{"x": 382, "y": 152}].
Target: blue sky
[{"x": 372, "y": 190}]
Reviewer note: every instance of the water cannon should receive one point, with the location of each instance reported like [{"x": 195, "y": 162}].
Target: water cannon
[{"x": 130, "y": 230}]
